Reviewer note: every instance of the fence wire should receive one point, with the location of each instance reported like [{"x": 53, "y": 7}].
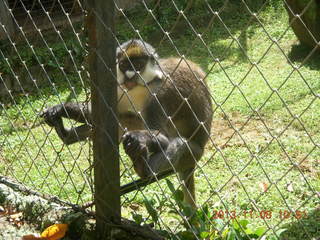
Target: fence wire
[{"x": 258, "y": 177}]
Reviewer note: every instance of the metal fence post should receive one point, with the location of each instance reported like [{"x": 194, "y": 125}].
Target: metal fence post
[{"x": 104, "y": 99}]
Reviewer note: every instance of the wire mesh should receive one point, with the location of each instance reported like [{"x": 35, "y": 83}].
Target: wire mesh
[{"x": 259, "y": 175}]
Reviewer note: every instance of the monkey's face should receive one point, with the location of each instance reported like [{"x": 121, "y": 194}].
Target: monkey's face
[
  {"x": 130, "y": 70},
  {"x": 136, "y": 66}
]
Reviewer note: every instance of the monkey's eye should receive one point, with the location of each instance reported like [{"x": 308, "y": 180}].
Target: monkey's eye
[
  {"x": 122, "y": 66},
  {"x": 139, "y": 64}
]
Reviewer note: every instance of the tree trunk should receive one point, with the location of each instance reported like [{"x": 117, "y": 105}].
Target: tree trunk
[
  {"x": 6, "y": 20},
  {"x": 307, "y": 27}
]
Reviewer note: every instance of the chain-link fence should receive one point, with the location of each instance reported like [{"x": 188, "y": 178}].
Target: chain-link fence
[{"x": 226, "y": 95}]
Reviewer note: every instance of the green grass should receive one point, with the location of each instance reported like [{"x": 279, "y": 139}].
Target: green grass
[{"x": 266, "y": 115}]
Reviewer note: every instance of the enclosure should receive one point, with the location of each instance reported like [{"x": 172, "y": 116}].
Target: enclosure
[{"x": 259, "y": 176}]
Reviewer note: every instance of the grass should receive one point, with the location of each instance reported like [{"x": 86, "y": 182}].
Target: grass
[{"x": 264, "y": 148}]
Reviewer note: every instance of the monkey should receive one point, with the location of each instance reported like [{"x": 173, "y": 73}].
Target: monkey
[{"x": 164, "y": 109}]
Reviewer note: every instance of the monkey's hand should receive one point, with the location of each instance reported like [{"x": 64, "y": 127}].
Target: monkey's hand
[
  {"x": 140, "y": 145},
  {"x": 52, "y": 115},
  {"x": 136, "y": 146}
]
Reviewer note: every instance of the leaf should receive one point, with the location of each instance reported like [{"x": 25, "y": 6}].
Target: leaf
[
  {"x": 204, "y": 234},
  {"x": 260, "y": 231},
  {"x": 248, "y": 231},
  {"x": 231, "y": 235},
  {"x": 206, "y": 214},
  {"x": 243, "y": 223},
  {"x": 178, "y": 196},
  {"x": 55, "y": 232},
  {"x": 170, "y": 185},
  {"x": 137, "y": 218},
  {"x": 153, "y": 213},
  {"x": 278, "y": 232},
  {"x": 187, "y": 210}
]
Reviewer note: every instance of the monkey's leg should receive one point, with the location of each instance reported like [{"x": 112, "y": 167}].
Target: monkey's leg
[
  {"x": 188, "y": 186},
  {"x": 79, "y": 112},
  {"x": 182, "y": 156},
  {"x": 176, "y": 154}
]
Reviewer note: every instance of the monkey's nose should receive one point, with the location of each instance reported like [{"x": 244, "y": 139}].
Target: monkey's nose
[{"x": 130, "y": 74}]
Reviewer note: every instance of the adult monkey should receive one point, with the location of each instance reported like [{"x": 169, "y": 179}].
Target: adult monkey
[{"x": 165, "y": 107}]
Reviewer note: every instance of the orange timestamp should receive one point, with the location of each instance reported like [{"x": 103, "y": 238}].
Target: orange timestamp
[{"x": 261, "y": 214}]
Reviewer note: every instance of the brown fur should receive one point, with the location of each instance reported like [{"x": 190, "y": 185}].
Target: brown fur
[
  {"x": 183, "y": 96},
  {"x": 182, "y": 82},
  {"x": 175, "y": 109}
]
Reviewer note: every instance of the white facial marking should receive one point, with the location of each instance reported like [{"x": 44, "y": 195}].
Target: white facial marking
[
  {"x": 130, "y": 74},
  {"x": 150, "y": 72},
  {"x": 120, "y": 76}
]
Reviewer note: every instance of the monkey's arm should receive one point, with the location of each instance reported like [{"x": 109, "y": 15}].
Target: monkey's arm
[
  {"x": 77, "y": 111},
  {"x": 80, "y": 112}
]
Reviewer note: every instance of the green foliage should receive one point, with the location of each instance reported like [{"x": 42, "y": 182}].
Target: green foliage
[
  {"x": 199, "y": 223},
  {"x": 137, "y": 218},
  {"x": 151, "y": 210},
  {"x": 51, "y": 58}
]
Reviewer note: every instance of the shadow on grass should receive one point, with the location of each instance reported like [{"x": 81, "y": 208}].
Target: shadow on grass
[
  {"x": 221, "y": 37},
  {"x": 305, "y": 228},
  {"x": 233, "y": 19},
  {"x": 73, "y": 88},
  {"x": 300, "y": 52}
]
